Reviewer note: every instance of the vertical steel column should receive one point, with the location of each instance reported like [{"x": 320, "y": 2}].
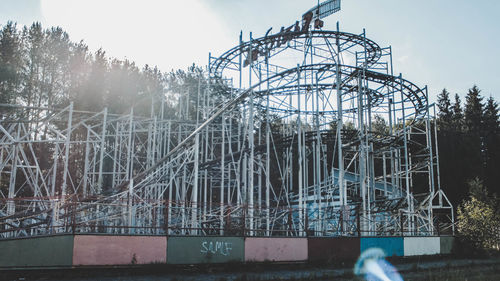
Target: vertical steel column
[
  {"x": 101, "y": 151},
  {"x": 407, "y": 176},
  {"x": 67, "y": 143},
  {"x": 362, "y": 155},
  {"x": 368, "y": 139},
  {"x": 239, "y": 176},
  {"x": 53, "y": 199},
  {"x": 437, "y": 155},
  {"x": 222, "y": 164},
  {"x": 86, "y": 164},
  {"x": 391, "y": 133},
  {"x": 129, "y": 173},
  {"x": 342, "y": 192},
  {"x": 268, "y": 155},
  {"x": 299, "y": 148},
  {"x": 194, "y": 195},
  {"x": 428, "y": 133},
  {"x": 170, "y": 179},
  {"x": 259, "y": 161},
  {"x": 317, "y": 170},
  {"x": 205, "y": 177},
  {"x": 11, "y": 207},
  {"x": 230, "y": 148},
  {"x": 251, "y": 145}
]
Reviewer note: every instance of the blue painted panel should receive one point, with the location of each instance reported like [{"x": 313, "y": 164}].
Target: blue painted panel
[{"x": 392, "y": 246}]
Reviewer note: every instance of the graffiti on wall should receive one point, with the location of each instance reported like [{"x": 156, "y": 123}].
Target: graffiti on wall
[{"x": 216, "y": 248}]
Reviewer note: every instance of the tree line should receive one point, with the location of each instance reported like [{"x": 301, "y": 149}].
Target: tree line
[
  {"x": 42, "y": 67},
  {"x": 469, "y": 142},
  {"x": 469, "y": 150}
]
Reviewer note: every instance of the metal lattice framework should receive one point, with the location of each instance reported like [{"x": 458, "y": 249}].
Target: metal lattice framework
[{"x": 294, "y": 149}]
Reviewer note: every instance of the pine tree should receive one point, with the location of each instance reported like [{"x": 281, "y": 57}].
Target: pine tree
[
  {"x": 473, "y": 113},
  {"x": 10, "y": 63},
  {"x": 457, "y": 115},
  {"x": 491, "y": 117},
  {"x": 57, "y": 56},
  {"x": 79, "y": 72},
  {"x": 34, "y": 38},
  {"x": 95, "y": 86},
  {"x": 123, "y": 86},
  {"x": 475, "y": 155},
  {"x": 445, "y": 111},
  {"x": 492, "y": 145}
]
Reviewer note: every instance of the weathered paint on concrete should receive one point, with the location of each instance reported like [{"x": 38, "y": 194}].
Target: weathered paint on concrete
[
  {"x": 275, "y": 249},
  {"x": 333, "y": 248},
  {"x": 419, "y": 246},
  {"x": 392, "y": 246},
  {"x": 195, "y": 250},
  {"x": 119, "y": 250},
  {"x": 446, "y": 244},
  {"x": 37, "y": 252}
]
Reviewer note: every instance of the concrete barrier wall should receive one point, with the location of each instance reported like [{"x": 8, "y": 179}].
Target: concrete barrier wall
[
  {"x": 446, "y": 244},
  {"x": 419, "y": 246},
  {"x": 392, "y": 246},
  {"x": 275, "y": 249},
  {"x": 119, "y": 250},
  {"x": 195, "y": 250},
  {"x": 93, "y": 250},
  {"x": 54, "y": 251},
  {"x": 333, "y": 248}
]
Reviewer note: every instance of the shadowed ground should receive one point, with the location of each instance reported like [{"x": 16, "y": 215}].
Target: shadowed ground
[{"x": 411, "y": 269}]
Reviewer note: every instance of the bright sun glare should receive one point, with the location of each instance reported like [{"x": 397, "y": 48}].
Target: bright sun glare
[{"x": 170, "y": 34}]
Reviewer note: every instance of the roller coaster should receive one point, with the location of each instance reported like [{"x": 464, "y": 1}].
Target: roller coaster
[{"x": 304, "y": 132}]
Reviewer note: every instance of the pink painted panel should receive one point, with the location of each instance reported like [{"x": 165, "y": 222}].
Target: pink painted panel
[
  {"x": 275, "y": 249},
  {"x": 116, "y": 250}
]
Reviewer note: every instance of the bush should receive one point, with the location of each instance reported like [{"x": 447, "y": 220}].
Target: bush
[{"x": 479, "y": 219}]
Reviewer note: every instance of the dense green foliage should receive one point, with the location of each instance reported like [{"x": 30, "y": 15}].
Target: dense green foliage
[
  {"x": 469, "y": 147},
  {"x": 479, "y": 219}
]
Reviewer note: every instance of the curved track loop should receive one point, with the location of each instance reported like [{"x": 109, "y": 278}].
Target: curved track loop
[{"x": 268, "y": 50}]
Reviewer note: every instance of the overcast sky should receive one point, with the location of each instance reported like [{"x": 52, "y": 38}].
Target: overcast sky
[{"x": 439, "y": 43}]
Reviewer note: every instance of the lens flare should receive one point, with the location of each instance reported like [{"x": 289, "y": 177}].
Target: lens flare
[{"x": 372, "y": 264}]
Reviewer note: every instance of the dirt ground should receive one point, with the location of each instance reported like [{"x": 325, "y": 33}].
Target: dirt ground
[{"x": 411, "y": 270}]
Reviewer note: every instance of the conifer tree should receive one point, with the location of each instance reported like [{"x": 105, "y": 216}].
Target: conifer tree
[
  {"x": 445, "y": 110},
  {"x": 473, "y": 126},
  {"x": 10, "y": 62},
  {"x": 492, "y": 145},
  {"x": 473, "y": 113},
  {"x": 457, "y": 115},
  {"x": 491, "y": 117}
]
